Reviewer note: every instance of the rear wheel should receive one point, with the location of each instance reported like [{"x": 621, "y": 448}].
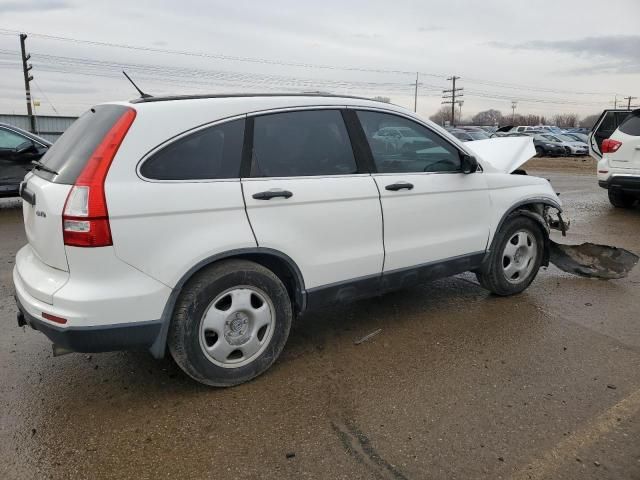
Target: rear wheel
[
  {"x": 515, "y": 259},
  {"x": 230, "y": 323},
  {"x": 619, "y": 199}
]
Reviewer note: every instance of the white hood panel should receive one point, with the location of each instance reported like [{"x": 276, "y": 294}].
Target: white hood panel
[{"x": 504, "y": 154}]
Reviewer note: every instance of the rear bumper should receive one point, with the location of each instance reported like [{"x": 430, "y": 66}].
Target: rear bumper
[
  {"x": 627, "y": 183},
  {"x": 103, "y": 338},
  {"x": 106, "y": 304}
]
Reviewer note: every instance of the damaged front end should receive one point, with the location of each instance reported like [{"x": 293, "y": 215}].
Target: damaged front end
[{"x": 587, "y": 259}]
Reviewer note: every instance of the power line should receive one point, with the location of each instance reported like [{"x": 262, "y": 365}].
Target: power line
[
  {"x": 45, "y": 97},
  {"x": 265, "y": 61}
]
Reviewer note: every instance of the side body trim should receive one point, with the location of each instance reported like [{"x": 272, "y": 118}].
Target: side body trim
[{"x": 372, "y": 285}]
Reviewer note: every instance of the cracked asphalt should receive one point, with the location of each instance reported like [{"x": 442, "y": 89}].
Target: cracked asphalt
[{"x": 458, "y": 384}]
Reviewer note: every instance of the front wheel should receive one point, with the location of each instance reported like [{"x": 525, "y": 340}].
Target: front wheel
[
  {"x": 230, "y": 323},
  {"x": 515, "y": 259}
]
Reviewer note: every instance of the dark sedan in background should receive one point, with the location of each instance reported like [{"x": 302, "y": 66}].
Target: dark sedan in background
[
  {"x": 543, "y": 149},
  {"x": 18, "y": 148}
]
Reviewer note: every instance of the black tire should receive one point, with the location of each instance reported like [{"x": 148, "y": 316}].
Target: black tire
[
  {"x": 539, "y": 152},
  {"x": 492, "y": 275},
  {"x": 184, "y": 337},
  {"x": 619, "y": 199}
]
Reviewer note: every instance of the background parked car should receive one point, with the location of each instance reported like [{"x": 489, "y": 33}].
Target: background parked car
[
  {"x": 18, "y": 148},
  {"x": 544, "y": 148},
  {"x": 577, "y": 136},
  {"x": 571, "y": 146},
  {"x": 469, "y": 135}
]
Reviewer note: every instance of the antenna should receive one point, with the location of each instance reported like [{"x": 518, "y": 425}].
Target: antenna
[{"x": 142, "y": 94}]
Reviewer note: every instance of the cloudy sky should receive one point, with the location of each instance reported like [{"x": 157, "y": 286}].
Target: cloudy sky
[{"x": 549, "y": 56}]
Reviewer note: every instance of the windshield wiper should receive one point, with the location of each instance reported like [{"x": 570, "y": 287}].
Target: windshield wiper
[{"x": 38, "y": 165}]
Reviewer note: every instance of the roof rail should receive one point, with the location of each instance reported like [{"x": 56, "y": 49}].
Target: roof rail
[{"x": 239, "y": 95}]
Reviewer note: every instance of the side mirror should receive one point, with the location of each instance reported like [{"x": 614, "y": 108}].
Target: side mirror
[{"x": 469, "y": 163}]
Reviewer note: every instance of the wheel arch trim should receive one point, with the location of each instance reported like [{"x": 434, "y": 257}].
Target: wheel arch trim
[
  {"x": 158, "y": 347},
  {"x": 546, "y": 201}
]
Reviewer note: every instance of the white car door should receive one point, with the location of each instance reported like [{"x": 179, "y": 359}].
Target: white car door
[
  {"x": 306, "y": 197},
  {"x": 434, "y": 215}
]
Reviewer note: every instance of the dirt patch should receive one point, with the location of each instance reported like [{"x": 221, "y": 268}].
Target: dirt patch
[{"x": 582, "y": 165}]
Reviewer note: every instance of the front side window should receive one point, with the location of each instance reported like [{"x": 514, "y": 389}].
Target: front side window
[
  {"x": 423, "y": 151},
  {"x": 10, "y": 140},
  {"x": 303, "y": 143},
  {"x": 212, "y": 153}
]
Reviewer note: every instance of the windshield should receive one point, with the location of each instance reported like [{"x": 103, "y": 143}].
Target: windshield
[
  {"x": 566, "y": 138},
  {"x": 477, "y": 135},
  {"x": 551, "y": 138}
]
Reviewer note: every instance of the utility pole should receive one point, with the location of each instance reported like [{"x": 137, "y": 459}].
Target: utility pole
[
  {"x": 27, "y": 79},
  {"x": 615, "y": 102},
  {"x": 628, "y": 99},
  {"x": 514, "y": 104},
  {"x": 415, "y": 98},
  {"x": 460, "y": 103},
  {"x": 451, "y": 99}
]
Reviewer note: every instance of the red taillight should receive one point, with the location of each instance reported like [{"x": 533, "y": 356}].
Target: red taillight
[
  {"x": 610, "y": 146},
  {"x": 85, "y": 221}
]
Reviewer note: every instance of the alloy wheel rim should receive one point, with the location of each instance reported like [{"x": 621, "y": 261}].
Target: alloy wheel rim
[
  {"x": 237, "y": 326},
  {"x": 519, "y": 256}
]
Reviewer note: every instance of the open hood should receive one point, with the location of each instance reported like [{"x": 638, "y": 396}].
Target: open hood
[{"x": 505, "y": 154}]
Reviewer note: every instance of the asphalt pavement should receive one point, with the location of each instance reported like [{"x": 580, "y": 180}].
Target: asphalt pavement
[{"x": 458, "y": 384}]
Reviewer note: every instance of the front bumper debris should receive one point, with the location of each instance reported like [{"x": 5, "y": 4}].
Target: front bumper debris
[{"x": 592, "y": 260}]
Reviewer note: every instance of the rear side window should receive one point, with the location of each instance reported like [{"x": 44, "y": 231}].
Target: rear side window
[
  {"x": 212, "y": 153},
  {"x": 70, "y": 153},
  {"x": 305, "y": 143},
  {"x": 631, "y": 126}
]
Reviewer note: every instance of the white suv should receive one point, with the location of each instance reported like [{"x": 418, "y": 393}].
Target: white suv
[
  {"x": 619, "y": 160},
  {"x": 209, "y": 223}
]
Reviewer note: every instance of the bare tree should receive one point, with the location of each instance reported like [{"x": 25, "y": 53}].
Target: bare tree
[
  {"x": 565, "y": 120},
  {"x": 589, "y": 121},
  {"x": 487, "y": 117},
  {"x": 443, "y": 115}
]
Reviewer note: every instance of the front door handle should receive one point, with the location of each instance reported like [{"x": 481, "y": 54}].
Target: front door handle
[
  {"x": 394, "y": 187},
  {"x": 269, "y": 194}
]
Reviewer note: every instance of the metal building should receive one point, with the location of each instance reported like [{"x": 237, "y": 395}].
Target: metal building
[{"x": 47, "y": 126}]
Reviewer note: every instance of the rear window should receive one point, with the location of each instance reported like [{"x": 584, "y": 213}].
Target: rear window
[
  {"x": 631, "y": 126},
  {"x": 70, "y": 153}
]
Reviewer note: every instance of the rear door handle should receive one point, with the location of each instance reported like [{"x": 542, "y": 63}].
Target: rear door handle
[
  {"x": 394, "y": 187},
  {"x": 269, "y": 194}
]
